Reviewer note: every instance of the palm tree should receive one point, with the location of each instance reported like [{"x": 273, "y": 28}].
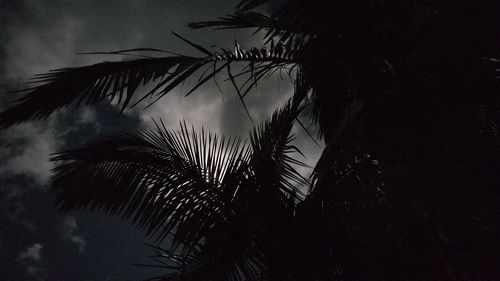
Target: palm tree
[
  {"x": 228, "y": 207},
  {"x": 405, "y": 96}
]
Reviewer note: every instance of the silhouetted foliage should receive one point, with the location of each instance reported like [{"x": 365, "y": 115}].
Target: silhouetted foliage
[{"x": 406, "y": 97}]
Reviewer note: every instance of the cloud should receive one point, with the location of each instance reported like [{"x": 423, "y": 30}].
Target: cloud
[
  {"x": 223, "y": 113},
  {"x": 199, "y": 109},
  {"x": 70, "y": 233},
  {"x": 32, "y": 50},
  {"x": 17, "y": 214},
  {"x": 33, "y": 253},
  {"x": 30, "y": 259},
  {"x": 88, "y": 115},
  {"x": 26, "y": 149}
]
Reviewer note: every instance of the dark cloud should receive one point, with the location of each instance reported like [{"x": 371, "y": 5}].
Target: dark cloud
[
  {"x": 30, "y": 259},
  {"x": 70, "y": 229},
  {"x": 29, "y": 218},
  {"x": 25, "y": 149}
]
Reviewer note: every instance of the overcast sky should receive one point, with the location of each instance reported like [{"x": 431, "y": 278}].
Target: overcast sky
[{"x": 36, "y": 242}]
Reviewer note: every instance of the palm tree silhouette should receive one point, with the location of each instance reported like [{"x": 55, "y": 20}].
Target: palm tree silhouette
[
  {"x": 405, "y": 95},
  {"x": 224, "y": 203}
]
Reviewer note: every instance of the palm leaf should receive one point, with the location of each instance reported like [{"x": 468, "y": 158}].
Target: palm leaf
[
  {"x": 94, "y": 83},
  {"x": 119, "y": 81},
  {"x": 246, "y": 5},
  {"x": 201, "y": 265},
  {"x": 239, "y": 20},
  {"x": 261, "y": 210},
  {"x": 163, "y": 180},
  {"x": 213, "y": 194},
  {"x": 274, "y": 27},
  {"x": 271, "y": 144}
]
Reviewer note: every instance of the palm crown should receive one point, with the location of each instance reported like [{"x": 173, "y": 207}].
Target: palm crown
[
  {"x": 216, "y": 195},
  {"x": 405, "y": 96}
]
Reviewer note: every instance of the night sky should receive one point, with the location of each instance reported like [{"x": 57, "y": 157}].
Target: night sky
[{"x": 37, "y": 242}]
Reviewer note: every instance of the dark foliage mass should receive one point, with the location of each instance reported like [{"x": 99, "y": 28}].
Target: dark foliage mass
[{"x": 406, "y": 97}]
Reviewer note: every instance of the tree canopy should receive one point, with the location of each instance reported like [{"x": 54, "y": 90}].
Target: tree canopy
[{"x": 405, "y": 96}]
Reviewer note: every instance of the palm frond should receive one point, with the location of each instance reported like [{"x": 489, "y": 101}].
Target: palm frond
[
  {"x": 200, "y": 265},
  {"x": 119, "y": 81},
  {"x": 212, "y": 193},
  {"x": 272, "y": 26},
  {"x": 272, "y": 148},
  {"x": 239, "y": 20},
  {"x": 246, "y": 5},
  {"x": 163, "y": 180},
  {"x": 260, "y": 212},
  {"x": 94, "y": 83}
]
